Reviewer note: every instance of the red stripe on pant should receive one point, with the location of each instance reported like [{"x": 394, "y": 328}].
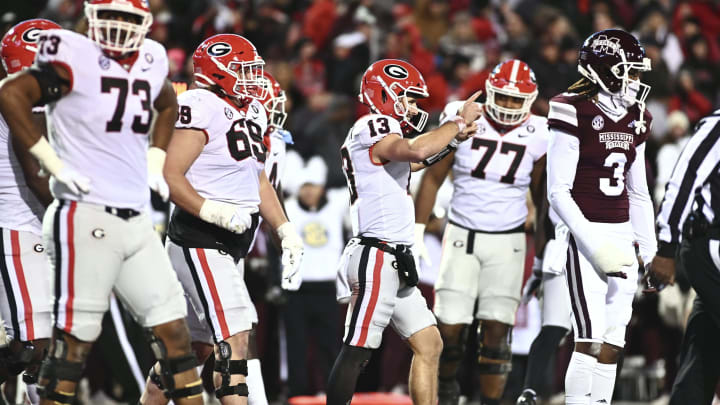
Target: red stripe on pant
[
  {"x": 213, "y": 293},
  {"x": 70, "y": 267},
  {"x": 20, "y": 274},
  {"x": 373, "y": 298}
]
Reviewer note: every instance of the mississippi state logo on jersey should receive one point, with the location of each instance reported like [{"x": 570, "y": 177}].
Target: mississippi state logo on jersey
[{"x": 607, "y": 150}]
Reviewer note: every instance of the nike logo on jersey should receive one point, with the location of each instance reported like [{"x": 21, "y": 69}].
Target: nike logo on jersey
[
  {"x": 515, "y": 250},
  {"x": 145, "y": 69},
  {"x": 523, "y": 135}
]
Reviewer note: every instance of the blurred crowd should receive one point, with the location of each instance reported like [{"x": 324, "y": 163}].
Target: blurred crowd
[{"x": 318, "y": 49}]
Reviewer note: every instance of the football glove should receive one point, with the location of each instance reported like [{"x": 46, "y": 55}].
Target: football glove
[
  {"x": 610, "y": 258},
  {"x": 533, "y": 283},
  {"x": 232, "y": 217},
  {"x": 292, "y": 252},
  {"x": 156, "y": 180},
  {"x": 419, "y": 247},
  {"x": 50, "y": 163}
]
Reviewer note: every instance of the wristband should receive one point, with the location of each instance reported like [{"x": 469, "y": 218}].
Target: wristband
[
  {"x": 155, "y": 160},
  {"x": 460, "y": 123},
  {"x": 46, "y": 156}
]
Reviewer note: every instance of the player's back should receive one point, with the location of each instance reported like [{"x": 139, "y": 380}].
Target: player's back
[
  {"x": 21, "y": 210},
  {"x": 100, "y": 128},
  {"x": 381, "y": 204},
  {"x": 492, "y": 173},
  {"x": 607, "y": 149}
]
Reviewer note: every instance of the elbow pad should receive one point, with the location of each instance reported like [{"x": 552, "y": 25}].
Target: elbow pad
[{"x": 49, "y": 81}]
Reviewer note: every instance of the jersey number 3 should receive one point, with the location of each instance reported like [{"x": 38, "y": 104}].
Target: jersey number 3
[{"x": 614, "y": 185}]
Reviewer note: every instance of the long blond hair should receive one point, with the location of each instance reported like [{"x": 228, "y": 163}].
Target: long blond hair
[{"x": 584, "y": 88}]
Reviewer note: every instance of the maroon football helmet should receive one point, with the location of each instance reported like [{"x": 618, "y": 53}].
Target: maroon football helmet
[{"x": 610, "y": 59}]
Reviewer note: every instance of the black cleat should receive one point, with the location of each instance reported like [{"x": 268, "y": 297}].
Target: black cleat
[
  {"x": 448, "y": 392},
  {"x": 528, "y": 397}
]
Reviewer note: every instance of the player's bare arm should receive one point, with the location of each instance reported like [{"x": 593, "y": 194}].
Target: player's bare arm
[
  {"x": 429, "y": 185},
  {"x": 395, "y": 148},
  {"x": 270, "y": 208},
  {"x": 538, "y": 187},
  {"x": 167, "y": 108},
  {"x": 185, "y": 146},
  {"x": 30, "y": 167},
  {"x": 18, "y": 95}
]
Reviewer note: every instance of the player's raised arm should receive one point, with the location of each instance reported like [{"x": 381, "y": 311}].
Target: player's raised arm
[{"x": 422, "y": 147}]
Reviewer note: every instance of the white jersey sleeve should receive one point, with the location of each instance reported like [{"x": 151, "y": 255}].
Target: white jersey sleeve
[
  {"x": 275, "y": 163},
  {"x": 370, "y": 129},
  {"x": 451, "y": 110},
  {"x": 193, "y": 113},
  {"x": 55, "y": 48}
]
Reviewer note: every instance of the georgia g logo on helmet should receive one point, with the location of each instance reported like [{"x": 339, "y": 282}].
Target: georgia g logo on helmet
[
  {"x": 219, "y": 49},
  {"x": 31, "y": 35},
  {"x": 396, "y": 71}
]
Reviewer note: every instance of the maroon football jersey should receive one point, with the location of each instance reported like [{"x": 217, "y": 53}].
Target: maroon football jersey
[{"x": 607, "y": 149}]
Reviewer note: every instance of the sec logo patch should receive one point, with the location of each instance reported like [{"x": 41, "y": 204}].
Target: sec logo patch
[{"x": 598, "y": 122}]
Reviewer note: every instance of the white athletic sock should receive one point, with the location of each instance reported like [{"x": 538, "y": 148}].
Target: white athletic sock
[
  {"x": 578, "y": 379},
  {"x": 31, "y": 391},
  {"x": 603, "y": 383},
  {"x": 256, "y": 386}
]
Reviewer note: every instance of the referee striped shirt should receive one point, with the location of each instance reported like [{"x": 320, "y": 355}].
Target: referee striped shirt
[{"x": 696, "y": 168}]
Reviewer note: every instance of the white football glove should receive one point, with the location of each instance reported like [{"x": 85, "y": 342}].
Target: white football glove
[
  {"x": 50, "y": 163},
  {"x": 419, "y": 248},
  {"x": 610, "y": 258},
  {"x": 232, "y": 217},
  {"x": 74, "y": 181},
  {"x": 292, "y": 252},
  {"x": 156, "y": 180}
]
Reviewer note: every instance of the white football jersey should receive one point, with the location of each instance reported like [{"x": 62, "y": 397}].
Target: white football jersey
[
  {"x": 381, "y": 204},
  {"x": 322, "y": 234},
  {"x": 100, "y": 128},
  {"x": 230, "y": 164},
  {"x": 275, "y": 163},
  {"x": 491, "y": 173},
  {"x": 20, "y": 210}
]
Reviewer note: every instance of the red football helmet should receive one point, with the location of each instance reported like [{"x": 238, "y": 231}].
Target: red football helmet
[
  {"x": 512, "y": 78},
  {"x": 118, "y": 37},
  {"x": 274, "y": 102},
  {"x": 385, "y": 86},
  {"x": 231, "y": 62},
  {"x": 20, "y": 44}
]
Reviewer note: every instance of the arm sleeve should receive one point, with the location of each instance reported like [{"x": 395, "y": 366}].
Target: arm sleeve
[
  {"x": 450, "y": 111},
  {"x": 641, "y": 209},
  {"x": 562, "y": 158},
  {"x": 694, "y": 165}
]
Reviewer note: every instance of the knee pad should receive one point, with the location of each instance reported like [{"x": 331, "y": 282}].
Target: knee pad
[
  {"x": 171, "y": 366},
  {"x": 452, "y": 353},
  {"x": 226, "y": 368},
  {"x": 500, "y": 356},
  {"x": 55, "y": 368}
]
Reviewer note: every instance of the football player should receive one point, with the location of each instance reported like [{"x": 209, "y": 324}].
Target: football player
[
  {"x": 103, "y": 90},
  {"x": 24, "y": 195},
  {"x": 548, "y": 272},
  {"x": 597, "y": 185},
  {"x": 215, "y": 173},
  {"x": 377, "y": 274},
  {"x": 483, "y": 259}
]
